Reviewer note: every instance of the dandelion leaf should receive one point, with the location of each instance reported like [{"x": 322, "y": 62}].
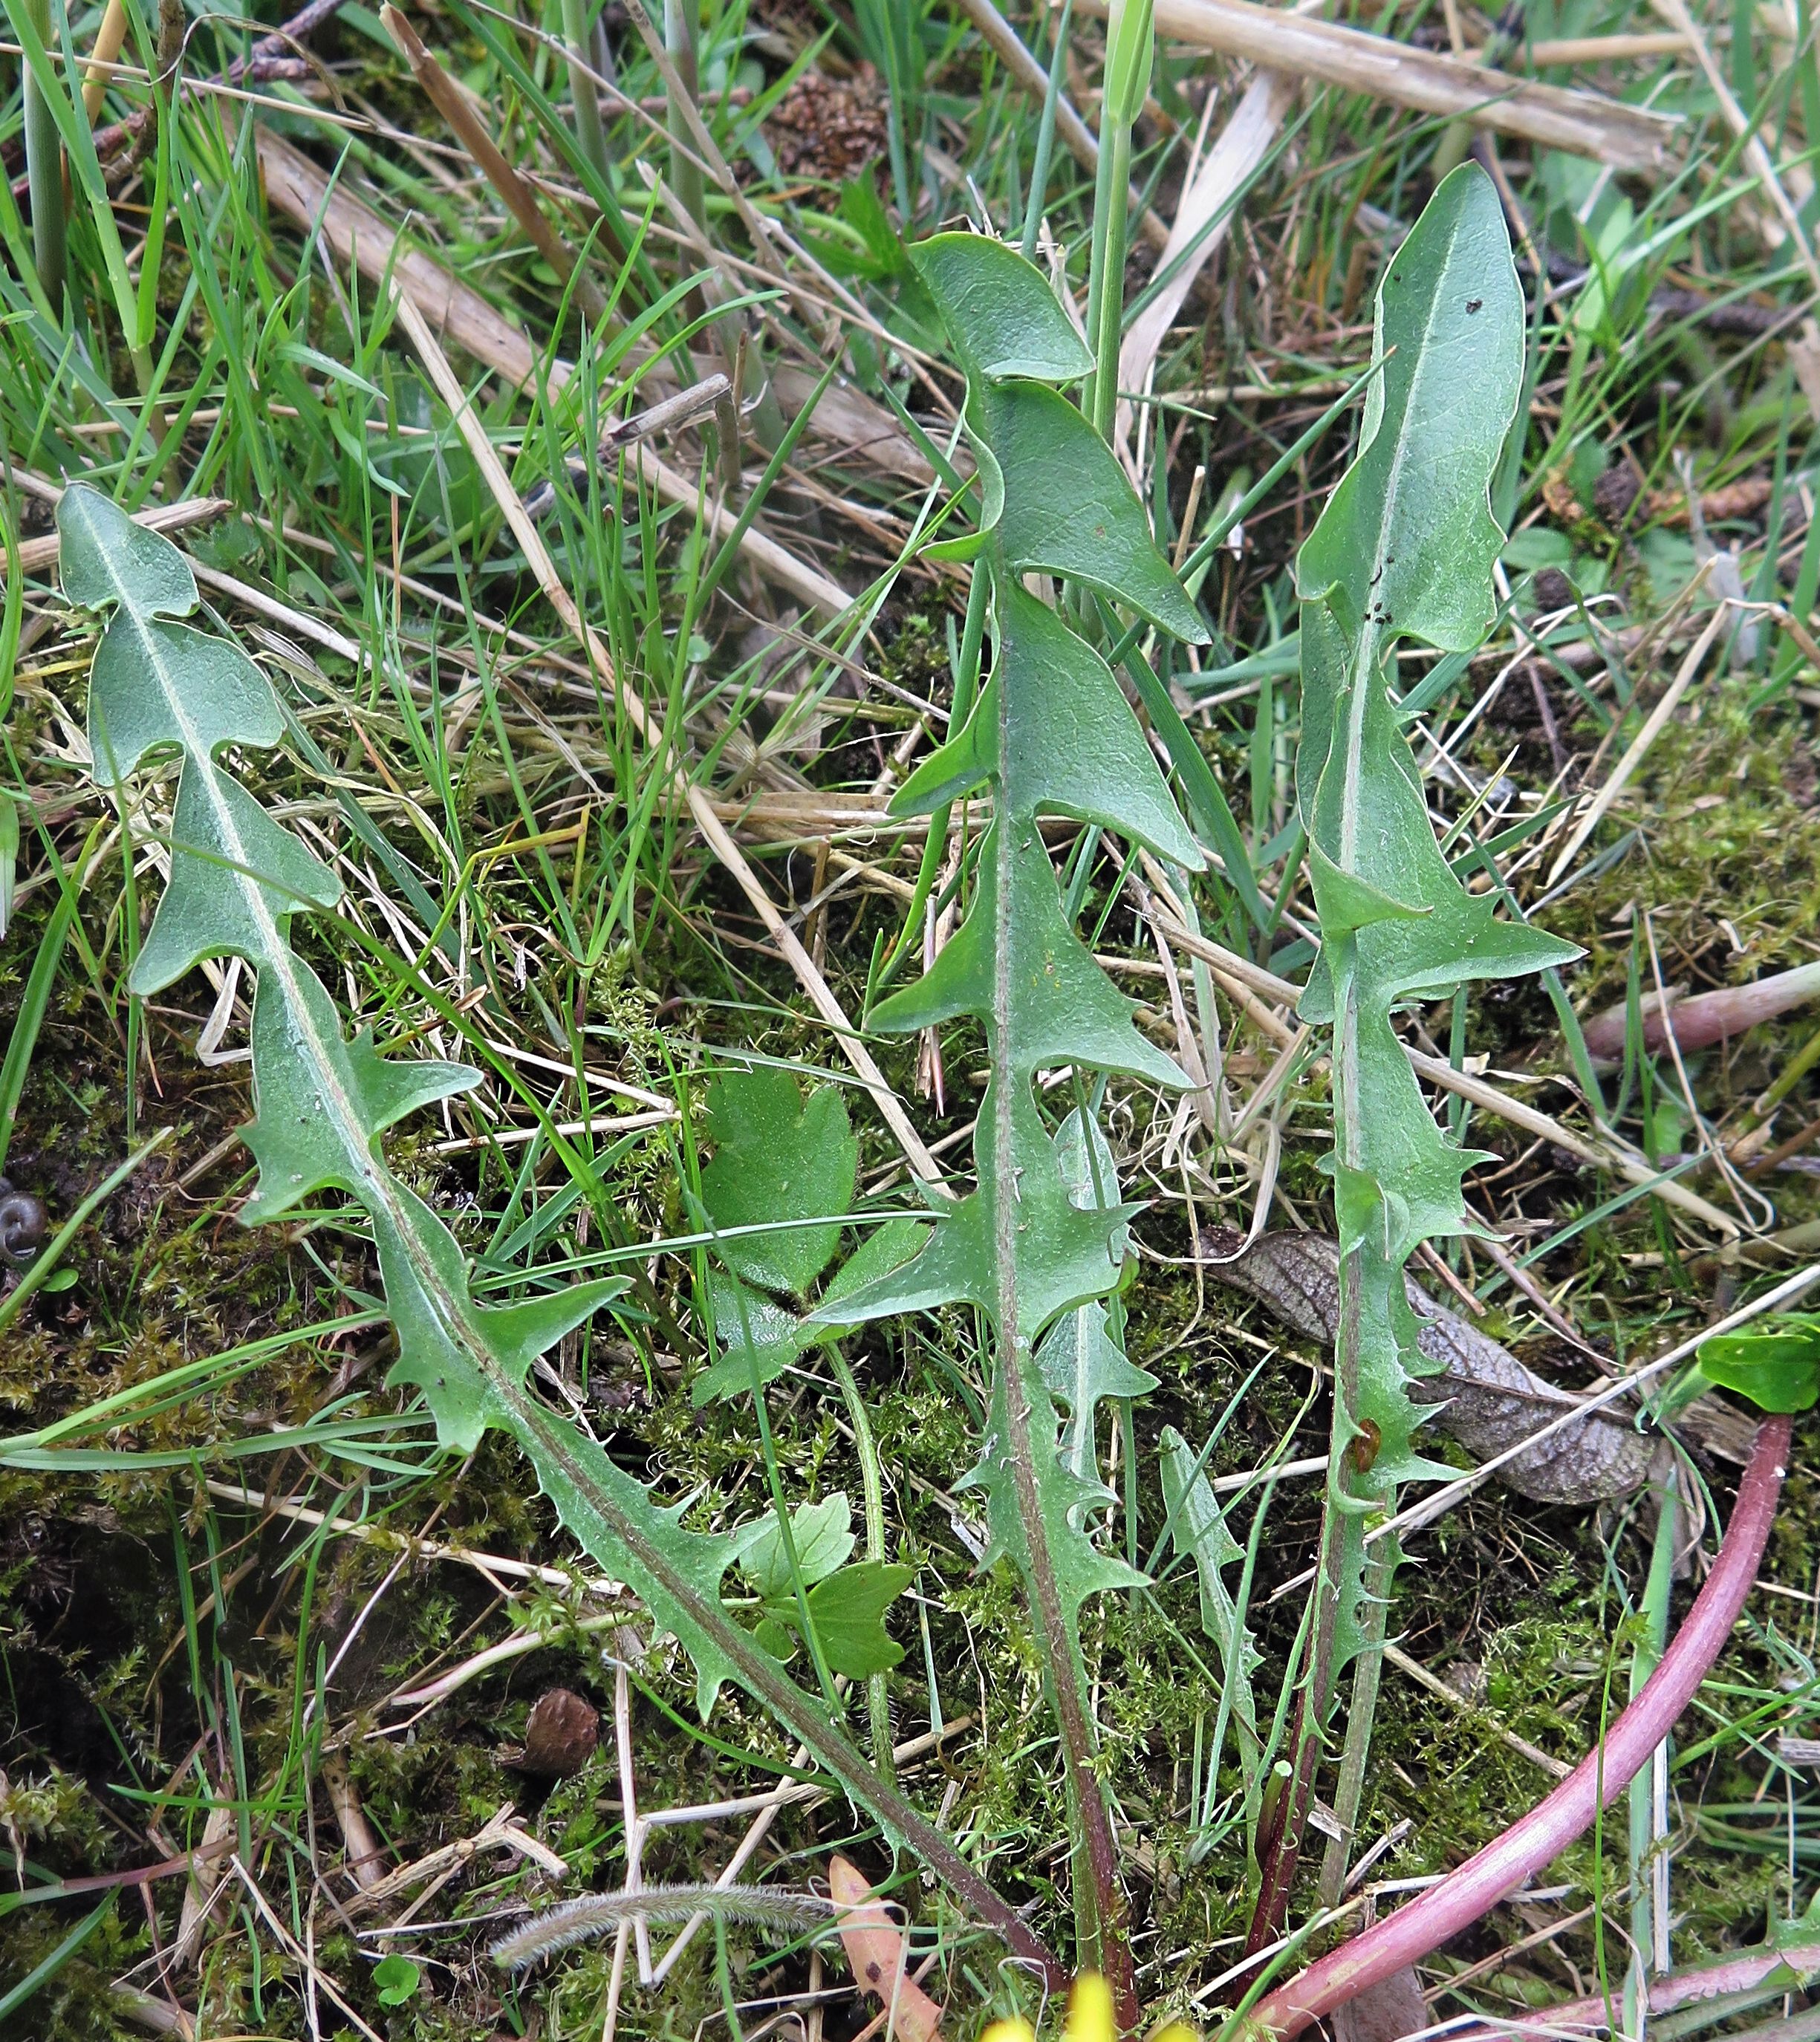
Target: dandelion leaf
[
  {"x": 1404, "y": 548},
  {"x": 999, "y": 312}
]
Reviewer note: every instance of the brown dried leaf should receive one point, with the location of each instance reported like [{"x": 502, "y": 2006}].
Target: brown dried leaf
[
  {"x": 876, "y": 1952},
  {"x": 1487, "y": 1399}
]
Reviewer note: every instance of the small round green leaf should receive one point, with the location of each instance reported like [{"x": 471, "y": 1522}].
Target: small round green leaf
[
  {"x": 395, "y": 1979},
  {"x": 1776, "y": 1365}
]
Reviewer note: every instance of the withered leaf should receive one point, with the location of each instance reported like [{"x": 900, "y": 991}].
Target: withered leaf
[{"x": 1486, "y": 1398}]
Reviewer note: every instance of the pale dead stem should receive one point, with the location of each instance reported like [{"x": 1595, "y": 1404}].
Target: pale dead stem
[
  {"x": 1192, "y": 242},
  {"x": 357, "y": 234},
  {"x": 1586, "y": 124},
  {"x": 1076, "y": 137},
  {"x": 431, "y": 1872},
  {"x": 429, "y": 350},
  {"x": 35, "y": 555},
  {"x": 1599, "y": 805},
  {"x": 1675, "y": 12},
  {"x": 493, "y": 1566},
  {"x": 314, "y": 1979},
  {"x": 454, "y": 105}
]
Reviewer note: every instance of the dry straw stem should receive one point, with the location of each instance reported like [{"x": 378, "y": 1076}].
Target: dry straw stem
[
  {"x": 500, "y": 1832},
  {"x": 1553, "y": 117},
  {"x": 1246, "y": 980},
  {"x": 451, "y": 103},
  {"x": 495, "y": 1566},
  {"x": 486, "y": 457},
  {"x": 1077, "y": 138},
  {"x": 1675, "y": 12},
  {"x": 1600, "y": 804},
  {"x": 1243, "y": 143},
  {"x": 1571, "y": 51},
  {"x": 357, "y": 234}
]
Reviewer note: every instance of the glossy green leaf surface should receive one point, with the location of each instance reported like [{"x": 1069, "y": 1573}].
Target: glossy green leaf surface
[
  {"x": 1052, "y": 734},
  {"x": 822, "y": 1534},
  {"x": 999, "y": 312},
  {"x": 779, "y": 1161},
  {"x": 847, "y": 1610}
]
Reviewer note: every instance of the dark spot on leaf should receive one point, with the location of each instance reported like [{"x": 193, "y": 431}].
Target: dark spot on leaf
[
  {"x": 1473, "y": 305},
  {"x": 875, "y": 1973}
]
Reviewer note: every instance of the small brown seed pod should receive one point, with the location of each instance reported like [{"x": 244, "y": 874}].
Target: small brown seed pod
[{"x": 560, "y": 1735}]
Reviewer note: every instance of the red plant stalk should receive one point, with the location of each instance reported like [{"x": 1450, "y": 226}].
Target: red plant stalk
[
  {"x": 1767, "y": 1972},
  {"x": 1706, "y": 1017},
  {"x": 1497, "y": 1872}
]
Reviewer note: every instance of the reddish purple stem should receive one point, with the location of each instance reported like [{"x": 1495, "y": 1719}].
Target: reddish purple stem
[
  {"x": 1707, "y": 1017},
  {"x": 1743, "y": 1972},
  {"x": 1498, "y": 1870}
]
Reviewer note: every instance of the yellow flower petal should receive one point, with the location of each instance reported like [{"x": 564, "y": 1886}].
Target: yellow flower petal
[
  {"x": 1090, "y": 2011},
  {"x": 1014, "y": 2030}
]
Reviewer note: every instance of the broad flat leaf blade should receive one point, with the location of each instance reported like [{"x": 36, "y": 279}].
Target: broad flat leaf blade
[
  {"x": 391, "y": 1087},
  {"x": 1408, "y": 536},
  {"x": 323, "y": 1102},
  {"x": 822, "y": 1534},
  {"x": 779, "y": 1158},
  {"x": 882, "y": 1250},
  {"x": 1083, "y": 1369},
  {"x": 157, "y": 684},
  {"x": 1069, "y": 509},
  {"x": 235, "y": 874},
  {"x": 999, "y": 309},
  {"x": 104, "y": 559},
  {"x": 1064, "y": 1007},
  {"x": 760, "y": 1340},
  {"x": 848, "y": 1611},
  {"x": 1081, "y": 752},
  {"x": 1404, "y": 548},
  {"x": 1066, "y": 1256}
]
